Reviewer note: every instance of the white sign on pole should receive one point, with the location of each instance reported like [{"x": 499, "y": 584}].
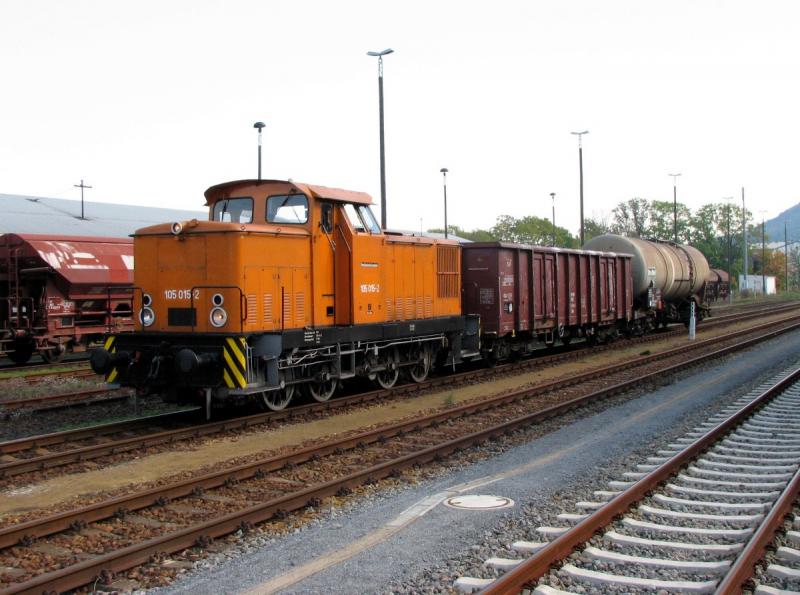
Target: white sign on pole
[{"x": 692, "y": 323}]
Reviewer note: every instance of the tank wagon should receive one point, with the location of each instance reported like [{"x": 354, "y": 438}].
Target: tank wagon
[
  {"x": 717, "y": 286},
  {"x": 287, "y": 286},
  {"x": 62, "y": 293},
  {"x": 667, "y": 277},
  {"x": 526, "y": 295}
]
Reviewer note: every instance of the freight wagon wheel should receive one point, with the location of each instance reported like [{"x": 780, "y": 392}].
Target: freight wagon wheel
[
  {"x": 22, "y": 351},
  {"x": 54, "y": 355},
  {"x": 419, "y": 370}
]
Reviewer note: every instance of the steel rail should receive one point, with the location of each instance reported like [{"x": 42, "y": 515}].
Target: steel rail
[
  {"x": 77, "y": 575},
  {"x": 743, "y": 566},
  {"x": 560, "y": 548}
]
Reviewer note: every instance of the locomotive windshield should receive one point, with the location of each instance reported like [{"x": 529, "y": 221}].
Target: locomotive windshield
[
  {"x": 233, "y": 210},
  {"x": 289, "y": 208}
]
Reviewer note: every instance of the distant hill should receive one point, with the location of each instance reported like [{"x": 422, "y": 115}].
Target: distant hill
[{"x": 774, "y": 227}]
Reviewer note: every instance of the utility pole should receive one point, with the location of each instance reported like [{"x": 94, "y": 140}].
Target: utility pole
[
  {"x": 553, "y": 197},
  {"x": 785, "y": 259},
  {"x": 730, "y": 274},
  {"x": 259, "y": 126},
  {"x": 380, "y": 56},
  {"x": 81, "y": 186},
  {"x": 763, "y": 257},
  {"x": 580, "y": 169},
  {"x": 744, "y": 239}
]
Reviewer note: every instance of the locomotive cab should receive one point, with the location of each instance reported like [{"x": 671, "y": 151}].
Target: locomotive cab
[{"x": 286, "y": 286}]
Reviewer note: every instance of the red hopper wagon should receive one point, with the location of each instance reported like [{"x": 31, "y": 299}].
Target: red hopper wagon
[{"x": 62, "y": 293}]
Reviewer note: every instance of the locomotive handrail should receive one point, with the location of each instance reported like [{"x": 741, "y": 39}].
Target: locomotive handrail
[{"x": 242, "y": 302}]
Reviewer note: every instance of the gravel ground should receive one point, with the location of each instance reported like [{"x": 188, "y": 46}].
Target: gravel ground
[{"x": 545, "y": 470}]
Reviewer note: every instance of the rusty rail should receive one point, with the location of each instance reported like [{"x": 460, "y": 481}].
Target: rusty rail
[{"x": 560, "y": 548}]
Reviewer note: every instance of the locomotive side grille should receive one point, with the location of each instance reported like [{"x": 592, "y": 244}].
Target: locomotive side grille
[
  {"x": 300, "y": 307},
  {"x": 389, "y": 309},
  {"x": 268, "y": 308},
  {"x": 287, "y": 308},
  {"x": 428, "y": 306},
  {"x": 399, "y": 309},
  {"x": 409, "y": 308},
  {"x": 252, "y": 309},
  {"x": 420, "y": 307},
  {"x": 447, "y": 274}
]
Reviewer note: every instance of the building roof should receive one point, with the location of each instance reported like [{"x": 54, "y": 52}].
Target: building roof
[{"x": 60, "y": 216}]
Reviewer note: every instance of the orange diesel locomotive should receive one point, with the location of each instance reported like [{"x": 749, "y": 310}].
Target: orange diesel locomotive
[{"x": 287, "y": 286}]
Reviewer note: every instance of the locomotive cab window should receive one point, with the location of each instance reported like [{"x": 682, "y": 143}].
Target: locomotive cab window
[
  {"x": 353, "y": 217},
  {"x": 233, "y": 210},
  {"x": 369, "y": 219},
  {"x": 287, "y": 208}
]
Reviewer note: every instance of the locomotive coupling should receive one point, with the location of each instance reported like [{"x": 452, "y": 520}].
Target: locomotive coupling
[
  {"x": 187, "y": 361},
  {"x": 102, "y": 361}
]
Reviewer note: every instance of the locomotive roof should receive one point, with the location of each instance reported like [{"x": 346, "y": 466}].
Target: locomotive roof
[{"x": 219, "y": 191}]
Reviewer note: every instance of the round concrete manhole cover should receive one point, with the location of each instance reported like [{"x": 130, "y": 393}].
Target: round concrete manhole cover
[{"x": 479, "y": 502}]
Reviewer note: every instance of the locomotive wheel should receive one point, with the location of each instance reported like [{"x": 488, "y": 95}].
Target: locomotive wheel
[
  {"x": 419, "y": 370},
  {"x": 277, "y": 400},
  {"x": 322, "y": 391},
  {"x": 23, "y": 350},
  {"x": 388, "y": 378}
]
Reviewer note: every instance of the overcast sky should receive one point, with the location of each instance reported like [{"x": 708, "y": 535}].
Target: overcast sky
[{"x": 151, "y": 102}]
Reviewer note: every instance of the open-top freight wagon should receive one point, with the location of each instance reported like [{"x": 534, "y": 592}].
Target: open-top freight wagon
[{"x": 62, "y": 293}]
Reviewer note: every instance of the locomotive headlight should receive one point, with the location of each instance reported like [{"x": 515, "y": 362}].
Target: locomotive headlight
[
  {"x": 147, "y": 300},
  {"x": 217, "y": 300},
  {"x": 218, "y": 317},
  {"x": 146, "y": 316}
]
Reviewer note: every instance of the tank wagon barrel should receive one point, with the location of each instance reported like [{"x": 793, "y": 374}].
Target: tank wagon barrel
[
  {"x": 667, "y": 277},
  {"x": 62, "y": 293}
]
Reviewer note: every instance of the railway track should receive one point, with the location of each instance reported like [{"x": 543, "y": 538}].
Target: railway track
[
  {"x": 89, "y": 543},
  {"x": 45, "y": 453},
  {"x": 93, "y": 396},
  {"x": 695, "y": 518}
]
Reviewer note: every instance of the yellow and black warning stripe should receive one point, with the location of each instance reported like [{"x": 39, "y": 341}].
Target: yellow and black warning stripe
[
  {"x": 234, "y": 370},
  {"x": 111, "y": 346}
]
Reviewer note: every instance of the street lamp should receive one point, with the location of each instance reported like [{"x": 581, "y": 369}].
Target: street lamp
[
  {"x": 553, "y": 198},
  {"x": 259, "y": 126},
  {"x": 444, "y": 171},
  {"x": 380, "y": 56},
  {"x": 580, "y": 167},
  {"x": 675, "y": 206},
  {"x": 728, "y": 200}
]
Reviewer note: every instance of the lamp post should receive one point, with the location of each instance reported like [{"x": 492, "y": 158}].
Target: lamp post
[
  {"x": 580, "y": 168},
  {"x": 380, "y": 56},
  {"x": 553, "y": 198},
  {"x": 728, "y": 200},
  {"x": 259, "y": 126},
  {"x": 674, "y": 206},
  {"x": 444, "y": 171}
]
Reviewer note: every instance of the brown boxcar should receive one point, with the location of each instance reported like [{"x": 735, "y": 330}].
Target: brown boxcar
[
  {"x": 62, "y": 293},
  {"x": 526, "y": 294}
]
